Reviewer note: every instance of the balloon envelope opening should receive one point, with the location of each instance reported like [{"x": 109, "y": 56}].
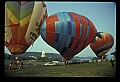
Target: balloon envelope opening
[{"x": 17, "y": 49}]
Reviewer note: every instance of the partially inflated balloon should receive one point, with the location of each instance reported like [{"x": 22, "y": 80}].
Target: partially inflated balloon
[
  {"x": 102, "y": 46},
  {"x": 68, "y": 32},
  {"x": 22, "y": 22}
]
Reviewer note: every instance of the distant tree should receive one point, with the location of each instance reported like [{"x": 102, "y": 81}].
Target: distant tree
[
  {"x": 113, "y": 53},
  {"x": 95, "y": 58},
  {"x": 105, "y": 56}
]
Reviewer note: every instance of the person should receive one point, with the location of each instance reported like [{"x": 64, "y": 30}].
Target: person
[
  {"x": 18, "y": 62},
  {"x": 29, "y": 63},
  {"x": 21, "y": 65},
  {"x": 112, "y": 62},
  {"x": 10, "y": 65}
]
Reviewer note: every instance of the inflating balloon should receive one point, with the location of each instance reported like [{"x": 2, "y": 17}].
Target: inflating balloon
[
  {"x": 22, "y": 22},
  {"x": 102, "y": 46},
  {"x": 68, "y": 32}
]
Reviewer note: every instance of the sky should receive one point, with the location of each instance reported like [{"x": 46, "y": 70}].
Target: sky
[{"x": 102, "y": 14}]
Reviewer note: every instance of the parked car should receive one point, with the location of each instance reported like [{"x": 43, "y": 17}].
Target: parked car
[{"x": 50, "y": 64}]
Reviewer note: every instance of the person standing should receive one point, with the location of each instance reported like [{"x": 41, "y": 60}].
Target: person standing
[
  {"x": 112, "y": 60},
  {"x": 21, "y": 66},
  {"x": 10, "y": 65},
  {"x": 29, "y": 63}
]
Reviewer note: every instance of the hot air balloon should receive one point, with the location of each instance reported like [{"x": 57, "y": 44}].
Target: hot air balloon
[
  {"x": 102, "y": 45},
  {"x": 68, "y": 33},
  {"x": 22, "y": 22}
]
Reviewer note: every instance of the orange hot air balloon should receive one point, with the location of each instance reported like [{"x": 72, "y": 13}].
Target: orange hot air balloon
[
  {"x": 22, "y": 23},
  {"x": 102, "y": 46}
]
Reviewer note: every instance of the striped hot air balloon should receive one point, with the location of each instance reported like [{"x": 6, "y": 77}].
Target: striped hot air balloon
[
  {"x": 22, "y": 22},
  {"x": 102, "y": 46},
  {"x": 68, "y": 32}
]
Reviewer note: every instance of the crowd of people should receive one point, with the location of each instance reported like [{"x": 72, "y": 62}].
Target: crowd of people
[{"x": 17, "y": 64}]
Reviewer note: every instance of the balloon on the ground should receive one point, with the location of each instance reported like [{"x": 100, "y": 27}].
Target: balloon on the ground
[
  {"x": 68, "y": 33},
  {"x": 102, "y": 46},
  {"x": 22, "y": 22}
]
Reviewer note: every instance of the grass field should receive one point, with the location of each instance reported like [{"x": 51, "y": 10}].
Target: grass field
[{"x": 93, "y": 69}]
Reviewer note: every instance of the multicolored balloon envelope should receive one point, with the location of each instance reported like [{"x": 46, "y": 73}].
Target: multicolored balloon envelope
[
  {"x": 102, "y": 46},
  {"x": 22, "y": 22},
  {"x": 68, "y": 32}
]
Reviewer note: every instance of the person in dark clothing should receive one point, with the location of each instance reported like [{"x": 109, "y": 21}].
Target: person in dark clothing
[
  {"x": 112, "y": 62},
  {"x": 29, "y": 63},
  {"x": 21, "y": 64},
  {"x": 10, "y": 65}
]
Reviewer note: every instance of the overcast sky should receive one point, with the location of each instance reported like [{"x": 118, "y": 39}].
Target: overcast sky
[{"x": 102, "y": 14}]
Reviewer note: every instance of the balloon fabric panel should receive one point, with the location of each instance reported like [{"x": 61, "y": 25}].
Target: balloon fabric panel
[
  {"x": 86, "y": 39},
  {"x": 50, "y": 28}
]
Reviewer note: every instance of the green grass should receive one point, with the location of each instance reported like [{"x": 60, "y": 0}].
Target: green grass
[{"x": 94, "y": 69}]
